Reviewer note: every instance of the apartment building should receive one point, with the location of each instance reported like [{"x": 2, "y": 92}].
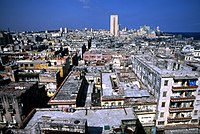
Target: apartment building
[
  {"x": 82, "y": 120},
  {"x": 51, "y": 81},
  {"x": 176, "y": 87},
  {"x": 96, "y": 56},
  {"x": 71, "y": 93},
  {"x": 61, "y": 64},
  {"x": 17, "y": 100}
]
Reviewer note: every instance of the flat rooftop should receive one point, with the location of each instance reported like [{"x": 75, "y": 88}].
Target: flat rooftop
[
  {"x": 68, "y": 91},
  {"x": 94, "y": 117},
  {"x": 16, "y": 89},
  {"x": 106, "y": 84},
  {"x": 155, "y": 63},
  {"x": 111, "y": 87},
  {"x": 49, "y": 74},
  {"x": 134, "y": 93},
  {"x": 32, "y": 61}
]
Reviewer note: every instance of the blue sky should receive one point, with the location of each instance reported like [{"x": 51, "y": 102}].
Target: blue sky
[{"x": 33, "y": 15}]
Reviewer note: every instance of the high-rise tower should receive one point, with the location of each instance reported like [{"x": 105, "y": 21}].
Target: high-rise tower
[{"x": 114, "y": 26}]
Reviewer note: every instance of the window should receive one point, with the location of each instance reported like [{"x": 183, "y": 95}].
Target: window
[
  {"x": 3, "y": 118},
  {"x": 106, "y": 104},
  {"x": 10, "y": 106},
  {"x": 31, "y": 65},
  {"x": 1, "y": 105},
  {"x": 13, "y": 119},
  {"x": 107, "y": 127},
  {"x": 198, "y": 102},
  {"x": 160, "y": 122},
  {"x": 194, "y": 120},
  {"x": 164, "y": 93},
  {"x": 163, "y": 104},
  {"x": 119, "y": 103},
  {"x": 113, "y": 104},
  {"x": 98, "y": 80},
  {"x": 162, "y": 114},
  {"x": 10, "y": 100},
  {"x": 26, "y": 65},
  {"x": 195, "y": 112},
  {"x": 166, "y": 83},
  {"x": 176, "y": 81}
]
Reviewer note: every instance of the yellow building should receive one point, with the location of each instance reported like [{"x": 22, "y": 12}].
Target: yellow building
[{"x": 61, "y": 64}]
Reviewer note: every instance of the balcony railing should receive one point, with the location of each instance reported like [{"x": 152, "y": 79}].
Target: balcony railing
[
  {"x": 180, "y": 109},
  {"x": 144, "y": 110},
  {"x": 184, "y": 88},
  {"x": 178, "y": 119},
  {"x": 180, "y": 98},
  {"x": 2, "y": 111},
  {"x": 28, "y": 74},
  {"x": 11, "y": 110}
]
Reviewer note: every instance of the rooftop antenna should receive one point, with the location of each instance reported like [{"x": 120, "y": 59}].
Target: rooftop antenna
[{"x": 125, "y": 110}]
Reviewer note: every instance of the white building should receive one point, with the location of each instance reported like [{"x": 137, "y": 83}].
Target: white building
[
  {"x": 114, "y": 26},
  {"x": 176, "y": 88}
]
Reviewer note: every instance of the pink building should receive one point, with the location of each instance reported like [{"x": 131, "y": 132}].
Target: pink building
[
  {"x": 96, "y": 56},
  {"x": 106, "y": 57}
]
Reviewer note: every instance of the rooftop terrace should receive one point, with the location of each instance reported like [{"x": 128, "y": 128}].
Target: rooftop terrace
[
  {"x": 69, "y": 89},
  {"x": 95, "y": 117},
  {"x": 167, "y": 67}
]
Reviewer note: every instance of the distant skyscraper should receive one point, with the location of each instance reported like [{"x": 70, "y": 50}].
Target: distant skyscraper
[
  {"x": 61, "y": 30},
  {"x": 65, "y": 30},
  {"x": 114, "y": 26}
]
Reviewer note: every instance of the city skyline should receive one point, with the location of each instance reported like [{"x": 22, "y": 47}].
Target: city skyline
[
  {"x": 171, "y": 16},
  {"x": 65, "y": 67}
]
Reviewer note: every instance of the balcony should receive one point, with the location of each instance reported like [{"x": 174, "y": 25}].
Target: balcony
[
  {"x": 2, "y": 111},
  {"x": 11, "y": 110},
  {"x": 28, "y": 74},
  {"x": 144, "y": 111},
  {"x": 182, "y": 119},
  {"x": 180, "y": 109},
  {"x": 184, "y": 88},
  {"x": 180, "y": 98}
]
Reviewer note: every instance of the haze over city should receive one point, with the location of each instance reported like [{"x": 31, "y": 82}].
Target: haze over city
[{"x": 33, "y": 15}]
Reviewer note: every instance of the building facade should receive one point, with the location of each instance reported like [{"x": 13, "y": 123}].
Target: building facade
[
  {"x": 114, "y": 26},
  {"x": 176, "y": 88},
  {"x": 71, "y": 92},
  {"x": 17, "y": 100}
]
